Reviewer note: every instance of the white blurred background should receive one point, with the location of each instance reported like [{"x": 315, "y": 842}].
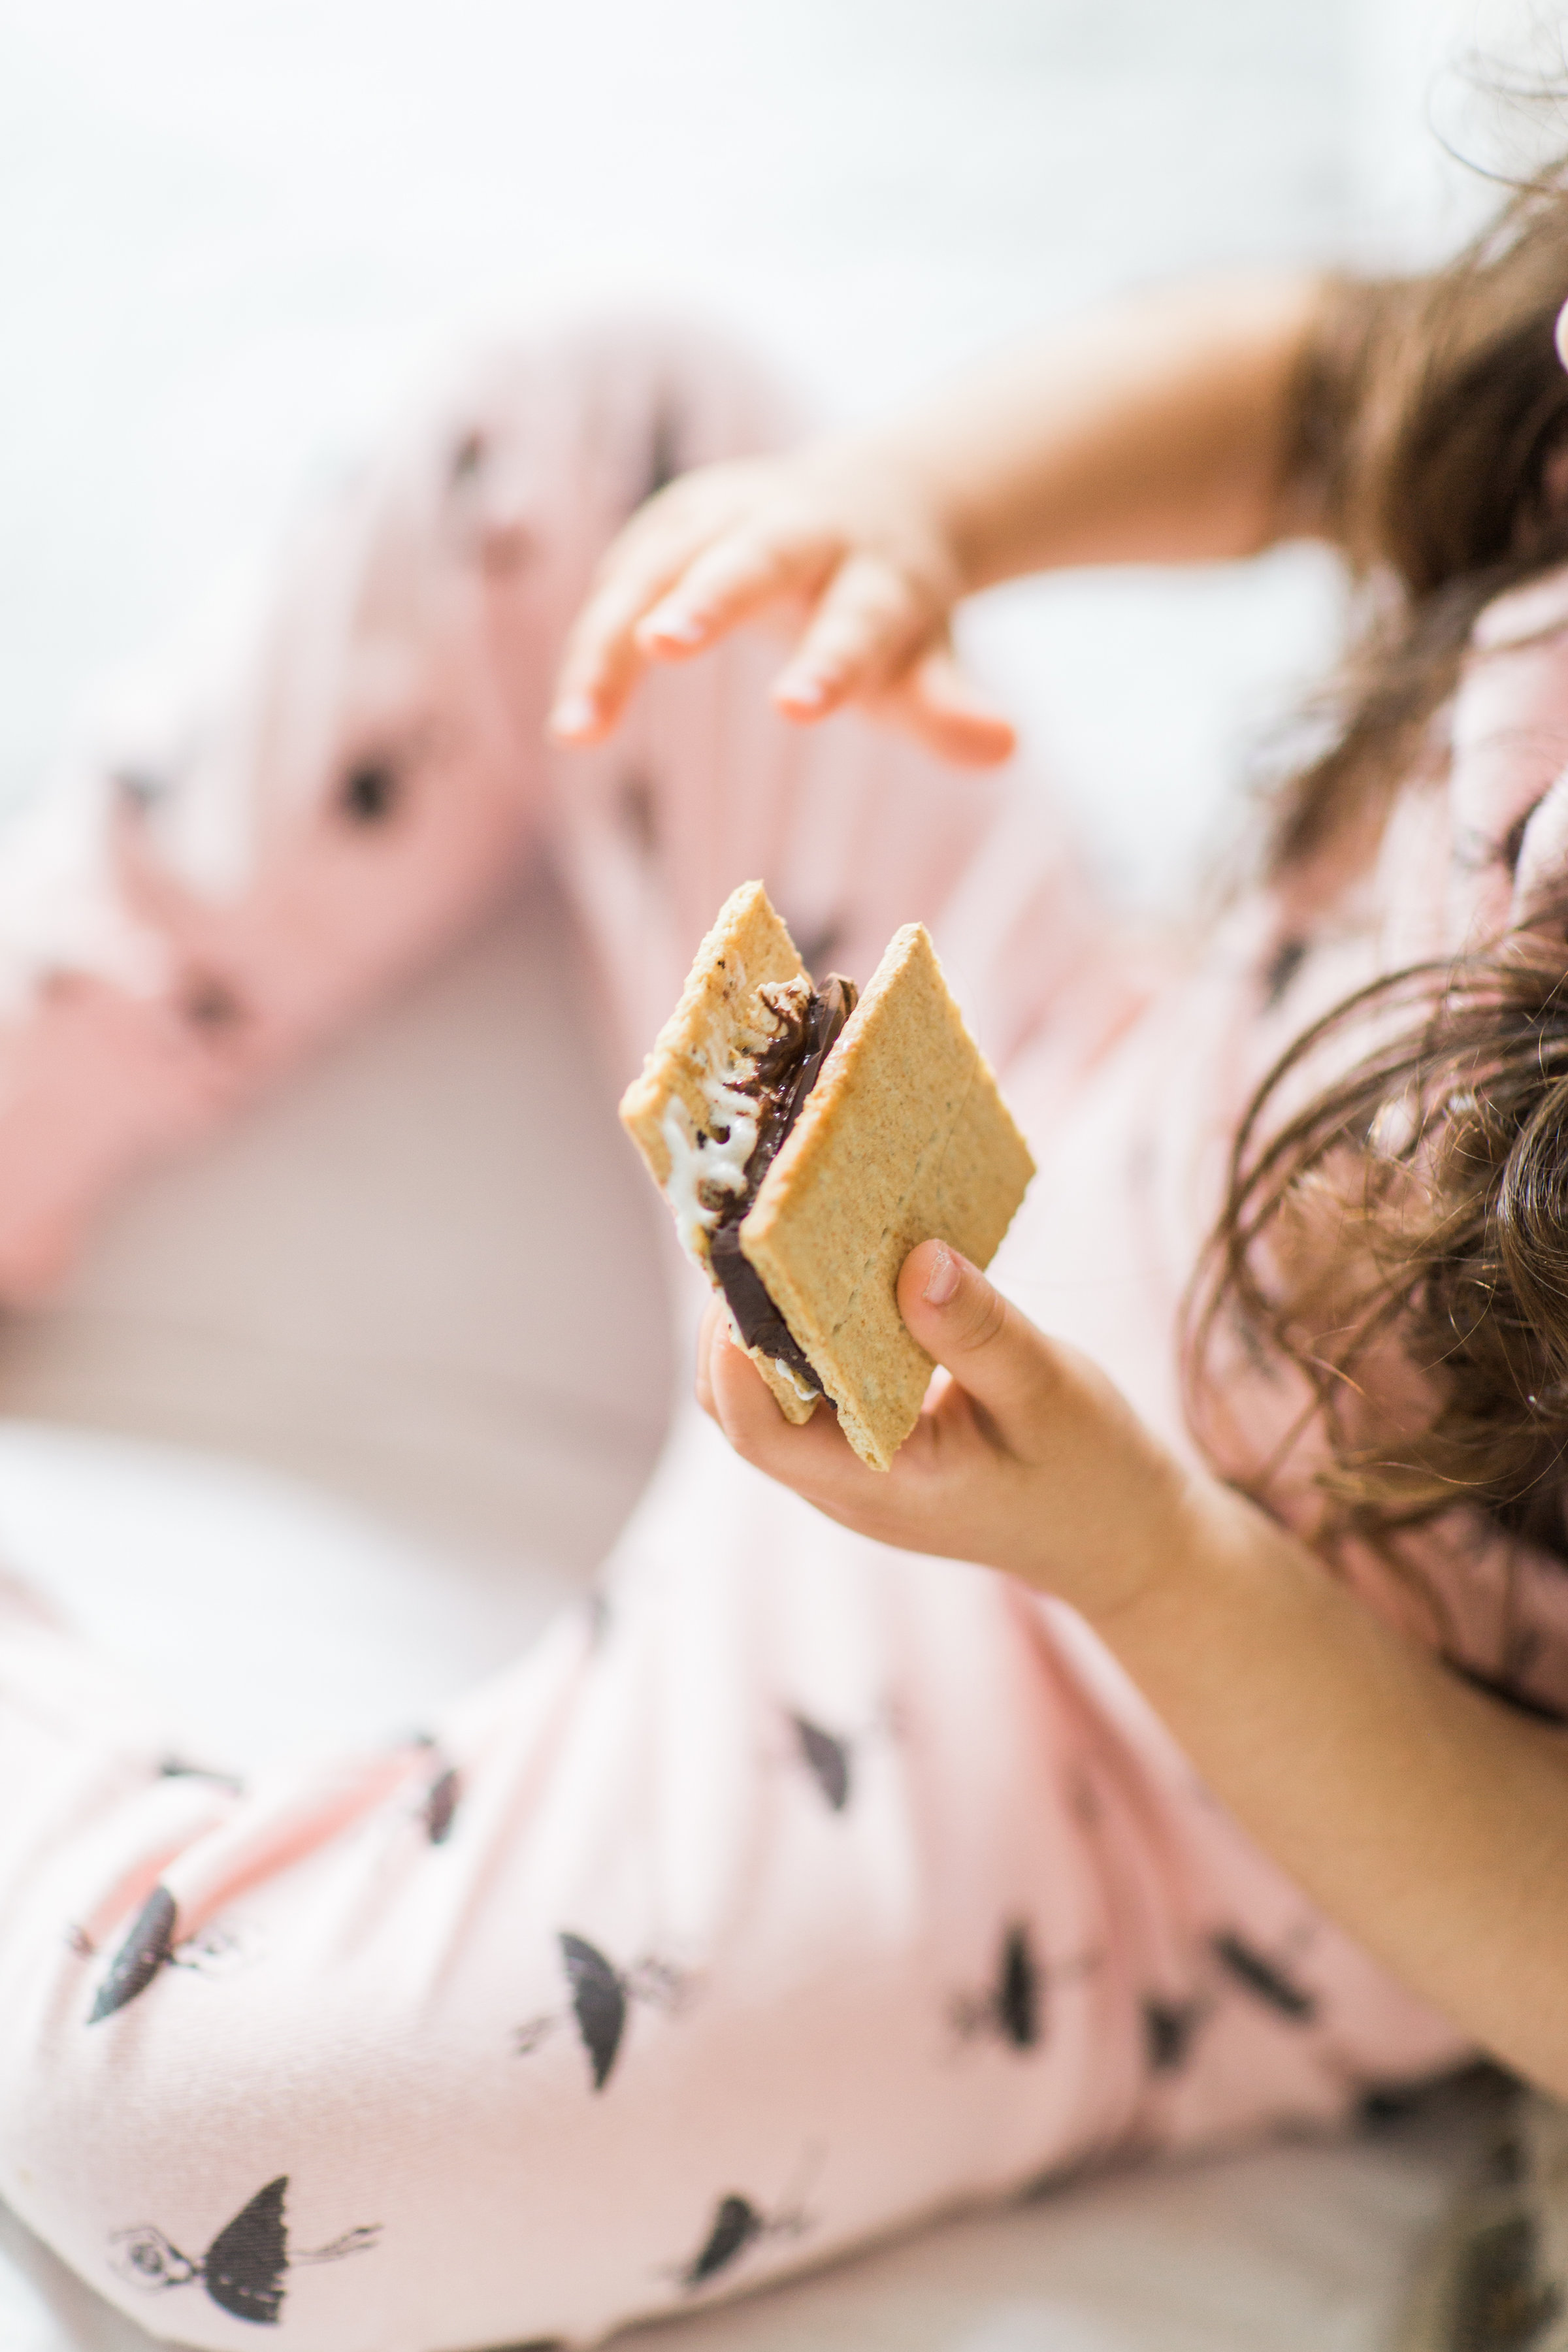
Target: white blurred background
[{"x": 233, "y": 231}]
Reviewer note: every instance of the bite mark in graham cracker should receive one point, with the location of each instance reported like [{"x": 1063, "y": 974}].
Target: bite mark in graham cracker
[
  {"x": 720, "y": 1014},
  {"x": 904, "y": 1137},
  {"x": 679, "y": 1098}
]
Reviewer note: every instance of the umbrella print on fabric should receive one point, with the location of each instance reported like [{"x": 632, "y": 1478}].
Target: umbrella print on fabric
[
  {"x": 601, "y": 1998},
  {"x": 146, "y": 1948},
  {"x": 1012, "y": 2008},
  {"x": 441, "y": 1804},
  {"x": 176, "y": 1767},
  {"x": 664, "y": 458},
  {"x": 737, "y": 2224},
  {"x": 1170, "y": 2028},
  {"x": 150, "y": 1945},
  {"x": 1267, "y": 1979},
  {"x": 830, "y": 1758},
  {"x": 826, "y": 1758},
  {"x": 436, "y": 1808},
  {"x": 245, "y": 2268}
]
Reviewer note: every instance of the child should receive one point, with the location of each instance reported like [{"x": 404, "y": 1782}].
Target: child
[
  {"x": 1400, "y": 1244},
  {"x": 814, "y": 1881}
]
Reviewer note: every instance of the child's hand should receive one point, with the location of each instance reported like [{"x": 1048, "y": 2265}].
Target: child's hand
[
  {"x": 1026, "y": 1458},
  {"x": 1430, "y": 1821},
  {"x": 837, "y": 543}
]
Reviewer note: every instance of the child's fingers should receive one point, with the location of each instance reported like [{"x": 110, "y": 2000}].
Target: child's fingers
[
  {"x": 1003, "y": 1364},
  {"x": 928, "y": 1502},
  {"x": 1027, "y": 1459},
  {"x": 813, "y": 1457},
  {"x": 714, "y": 1321},
  {"x": 935, "y": 701},
  {"x": 995, "y": 1356},
  {"x": 602, "y": 660},
  {"x": 870, "y": 619},
  {"x": 727, "y": 584}
]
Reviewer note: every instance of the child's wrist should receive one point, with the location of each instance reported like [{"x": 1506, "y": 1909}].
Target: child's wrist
[
  {"x": 892, "y": 475},
  {"x": 1200, "y": 1539},
  {"x": 1217, "y": 1563},
  {"x": 948, "y": 515}
]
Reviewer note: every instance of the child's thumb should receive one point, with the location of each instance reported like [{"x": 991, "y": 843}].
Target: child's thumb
[{"x": 990, "y": 1349}]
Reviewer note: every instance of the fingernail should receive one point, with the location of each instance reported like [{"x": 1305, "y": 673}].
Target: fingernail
[
  {"x": 676, "y": 628},
  {"x": 803, "y": 693},
  {"x": 576, "y": 716},
  {"x": 943, "y": 1280}
]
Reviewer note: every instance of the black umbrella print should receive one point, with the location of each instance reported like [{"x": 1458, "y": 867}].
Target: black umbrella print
[
  {"x": 825, "y": 1757},
  {"x": 439, "y": 1806},
  {"x": 176, "y": 1767},
  {"x": 830, "y": 1756},
  {"x": 664, "y": 458},
  {"x": 1012, "y": 2008},
  {"x": 141, "y": 1955},
  {"x": 1170, "y": 2028},
  {"x": 244, "y": 2269},
  {"x": 150, "y": 1945},
  {"x": 1268, "y": 1979},
  {"x": 600, "y": 1998},
  {"x": 736, "y": 2225}
]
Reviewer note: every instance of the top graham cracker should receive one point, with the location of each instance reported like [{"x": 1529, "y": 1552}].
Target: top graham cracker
[
  {"x": 905, "y": 1136},
  {"x": 720, "y": 1016},
  {"x": 720, "y": 1019}
]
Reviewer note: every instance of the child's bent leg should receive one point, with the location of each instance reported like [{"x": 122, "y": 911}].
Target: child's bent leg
[
  {"x": 743, "y": 1919},
  {"x": 797, "y": 1891},
  {"x": 257, "y": 844},
  {"x": 259, "y": 837}
]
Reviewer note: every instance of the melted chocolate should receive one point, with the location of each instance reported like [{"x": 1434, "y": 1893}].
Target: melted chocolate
[{"x": 788, "y": 1068}]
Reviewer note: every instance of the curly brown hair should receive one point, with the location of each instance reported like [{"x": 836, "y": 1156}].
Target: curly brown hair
[
  {"x": 1430, "y": 428},
  {"x": 1401, "y": 1240},
  {"x": 1398, "y": 1238}
]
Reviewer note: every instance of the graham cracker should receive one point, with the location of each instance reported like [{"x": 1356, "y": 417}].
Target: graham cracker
[
  {"x": 720, "y": 1015},
  {"x": 718, "y": 1018},
  {"x": 904, "y": 1136}
]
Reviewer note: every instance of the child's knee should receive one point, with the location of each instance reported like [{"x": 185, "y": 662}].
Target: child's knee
[{"x": 191, "y": 2180}]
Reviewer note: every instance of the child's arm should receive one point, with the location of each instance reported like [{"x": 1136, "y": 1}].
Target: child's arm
[
  {"x": 1430, "y": 1822},
  {"x": 1163, "y": 430}
]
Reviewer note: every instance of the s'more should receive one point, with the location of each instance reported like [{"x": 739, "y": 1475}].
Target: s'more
[{"x": 806, "y": 1138}]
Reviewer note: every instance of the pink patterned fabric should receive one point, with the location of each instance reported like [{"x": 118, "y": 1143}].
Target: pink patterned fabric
[{"x": 799, "y": 1888}]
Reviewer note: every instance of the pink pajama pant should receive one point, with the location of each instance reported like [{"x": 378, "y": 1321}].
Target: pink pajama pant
[{"x": 798, "y": 1888}]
